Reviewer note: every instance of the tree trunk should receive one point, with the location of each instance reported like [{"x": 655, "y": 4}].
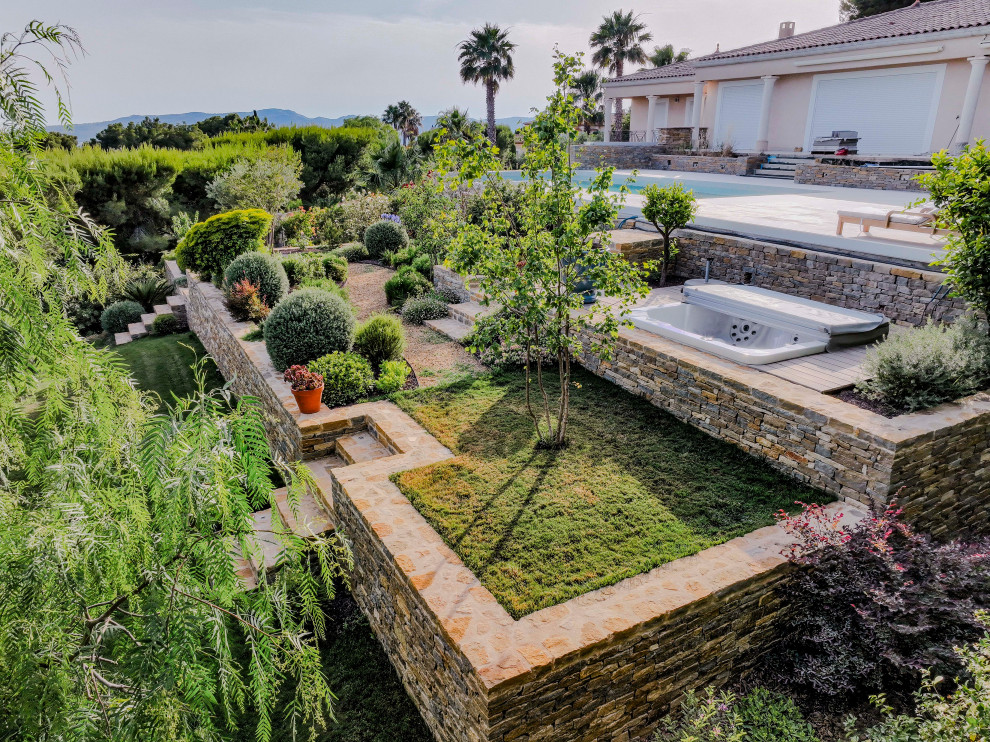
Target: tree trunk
[
  {"x": 617, "y": 110},
  {"x": 490, "y": 100}
]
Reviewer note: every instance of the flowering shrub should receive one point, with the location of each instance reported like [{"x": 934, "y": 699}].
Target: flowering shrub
[
  {"x": 875, "y": 602},
  {"x": 302, "y": 379},
  {"x": 391, "y": 218},
  {"x": 244, "y": 302},
  {"x": 298, "y": 227},
  {"x": 708, "y": 719},
  {"x": 359, "y": 212}
]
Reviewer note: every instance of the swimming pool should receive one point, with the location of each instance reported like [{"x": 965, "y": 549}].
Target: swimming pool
[{"x": 701, "y": 188}]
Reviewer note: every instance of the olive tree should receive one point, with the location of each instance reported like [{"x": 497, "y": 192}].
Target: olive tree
[
  {"x": 534, "y": 253},
  {"x": 960, "y": 187},
  {"x": 268, "y": 181},
  {"x": 668, "y": 208}
]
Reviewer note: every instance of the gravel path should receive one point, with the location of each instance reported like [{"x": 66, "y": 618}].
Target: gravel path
[{"x": 433, "y": 356}]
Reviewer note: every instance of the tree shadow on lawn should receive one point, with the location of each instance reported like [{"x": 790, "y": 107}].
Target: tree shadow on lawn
[{"x": 633, "y": 489}]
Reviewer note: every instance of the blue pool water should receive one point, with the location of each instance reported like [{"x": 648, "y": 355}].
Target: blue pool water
[{"x": 701, "y": 188}]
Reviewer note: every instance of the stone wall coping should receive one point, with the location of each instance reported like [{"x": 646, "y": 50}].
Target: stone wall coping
[
  {"x": 888, "y": 432},
  {"x": 503, "y": 651}
]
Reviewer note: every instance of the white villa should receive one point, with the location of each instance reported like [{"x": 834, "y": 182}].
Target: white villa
[{"x": 910, "y": 82}]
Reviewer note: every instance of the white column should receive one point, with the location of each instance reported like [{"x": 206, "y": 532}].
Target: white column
[
  {"x": 699, "y": 96},
  {"x": 763, "y": 132},
  {"x": 978, "y": 66},
  {"x": 608, "y": 119},
  {"x": 651, "y": 118}
]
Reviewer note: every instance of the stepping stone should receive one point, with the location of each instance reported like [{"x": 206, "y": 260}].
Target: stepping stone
[
  {"x": 313, "y": 519},
  {"x": 176, "y": 300},
  {"x": 137, "y": 330},
  {"x": 360, "y": 447},
  {"x": 120, "y": 338},
  {"x": 450, "y": 327},
  {"x": 148, "y": 318},
  {"x": 162, "y": 309}
]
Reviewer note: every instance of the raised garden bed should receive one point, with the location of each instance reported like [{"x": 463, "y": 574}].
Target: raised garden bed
[{"x": 634, "y": 489}]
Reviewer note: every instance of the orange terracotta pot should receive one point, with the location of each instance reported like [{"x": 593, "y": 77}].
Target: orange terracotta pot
[{"x": 308, "y": 400}]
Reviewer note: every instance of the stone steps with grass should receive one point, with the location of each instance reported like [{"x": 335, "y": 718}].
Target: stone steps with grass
[{"x": 174, "y": 305}]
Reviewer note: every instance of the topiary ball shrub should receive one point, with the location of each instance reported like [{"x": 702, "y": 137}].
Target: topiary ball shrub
[
  {"x": 418, "y": 309},
  {"x": 119, "y": 315},
  {"x": 210, "y": 246},
  {"x": 352, "y": 252},
  {"x": 385, "y": 237},
  {"x": 165, "y": 324},
  {"x": 334, "y": 268},
  {"x": 347, "y": 377},
  {"x": 307, "y": 325},
  {"x": 263, "y": 271},
  {"x": 380, "y": 339},
  {"x": 405, "y": 283}
]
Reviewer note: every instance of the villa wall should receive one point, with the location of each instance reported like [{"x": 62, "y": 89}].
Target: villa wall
[
  {"x": 848, "y": 176},
  {"x": 902, "y": 294}
]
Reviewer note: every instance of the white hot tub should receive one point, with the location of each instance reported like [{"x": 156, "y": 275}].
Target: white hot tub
[{"x": 754, "y": 326}]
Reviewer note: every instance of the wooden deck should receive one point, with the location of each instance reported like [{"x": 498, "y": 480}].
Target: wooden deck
[{"x": 824, "y": 372}]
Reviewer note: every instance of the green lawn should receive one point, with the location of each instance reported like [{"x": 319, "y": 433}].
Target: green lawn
[
  {"x": 163, "y": 365},
  {"x": 634, "y": 489}
]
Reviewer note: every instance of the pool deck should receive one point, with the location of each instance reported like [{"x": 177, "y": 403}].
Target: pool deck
[{"x": 802, "y": 214}]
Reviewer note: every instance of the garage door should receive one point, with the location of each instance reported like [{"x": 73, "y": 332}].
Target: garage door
[
  {"x": 892, "y": 111},
  {"x": 738, "y": 117}
]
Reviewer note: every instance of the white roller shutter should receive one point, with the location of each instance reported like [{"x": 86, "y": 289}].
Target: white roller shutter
[
  {"x": 893, "y": 110},
  {"x": 738, "y": 119}
]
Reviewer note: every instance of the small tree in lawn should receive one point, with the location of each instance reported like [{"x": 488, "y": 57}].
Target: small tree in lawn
[
  {"x": 668, "y": 208},
  {"x": 960, "y": 187},
  {"x": 532, "y": 258}
]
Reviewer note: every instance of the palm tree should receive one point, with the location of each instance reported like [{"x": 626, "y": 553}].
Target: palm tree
[
  {"x": 661, "y": 56},
  {"x": 619, "y": 39},
  {"x": 587, "y": 92},
  {"x": 409, "y": 121},
  {"x": 391, "y": 116},
  {"x": 486, "y": 58},
  {"x": 456, "y": 122}
]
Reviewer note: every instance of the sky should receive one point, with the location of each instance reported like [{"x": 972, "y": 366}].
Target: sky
[{"x": 332, "y": 58}]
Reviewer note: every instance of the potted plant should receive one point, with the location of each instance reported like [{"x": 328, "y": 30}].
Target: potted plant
[{"x": 307, "y": 388}]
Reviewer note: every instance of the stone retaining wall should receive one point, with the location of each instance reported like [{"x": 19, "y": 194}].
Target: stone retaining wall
[
  {"x": 902, "y": 294},
  {"x": 885, "y": 178},
  {"x": 625, "y": 156},
  {"x": 449, "y": 282},
  {"x": 941, "y": 457},
  {"x": 741, "y": 165},
  {"x": 603, "y": 666}
]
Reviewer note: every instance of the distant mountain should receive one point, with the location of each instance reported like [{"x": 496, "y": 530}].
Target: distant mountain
[{"x": 277, "y": 116}]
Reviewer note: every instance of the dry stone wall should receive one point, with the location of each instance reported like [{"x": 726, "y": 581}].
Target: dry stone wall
[
  {"x": 887, "y": 178},
  {"x": 625, "y": 156}
]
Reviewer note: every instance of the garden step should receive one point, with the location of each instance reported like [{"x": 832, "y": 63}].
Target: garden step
[
  {"x": 137, "y": 330},
  {"x": 120, "y": 338},
  {"x": 176, "y": 300},
  {"x": 466, "y": 312},
  {"x": 360, "y": 447},
  {"x": 313, "y": 519},
  {"x": 452, "y": 328},
  {"x": 267, "y": 549},
  {"x": 148, "y": 318},
  {"x": 163, "y": 309}
]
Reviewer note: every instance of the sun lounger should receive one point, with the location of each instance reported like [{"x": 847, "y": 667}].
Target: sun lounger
[{"x": 916, "y": 220}]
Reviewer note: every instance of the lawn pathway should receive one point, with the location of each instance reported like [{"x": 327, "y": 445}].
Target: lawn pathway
[{"x": 433, "y": 356}]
